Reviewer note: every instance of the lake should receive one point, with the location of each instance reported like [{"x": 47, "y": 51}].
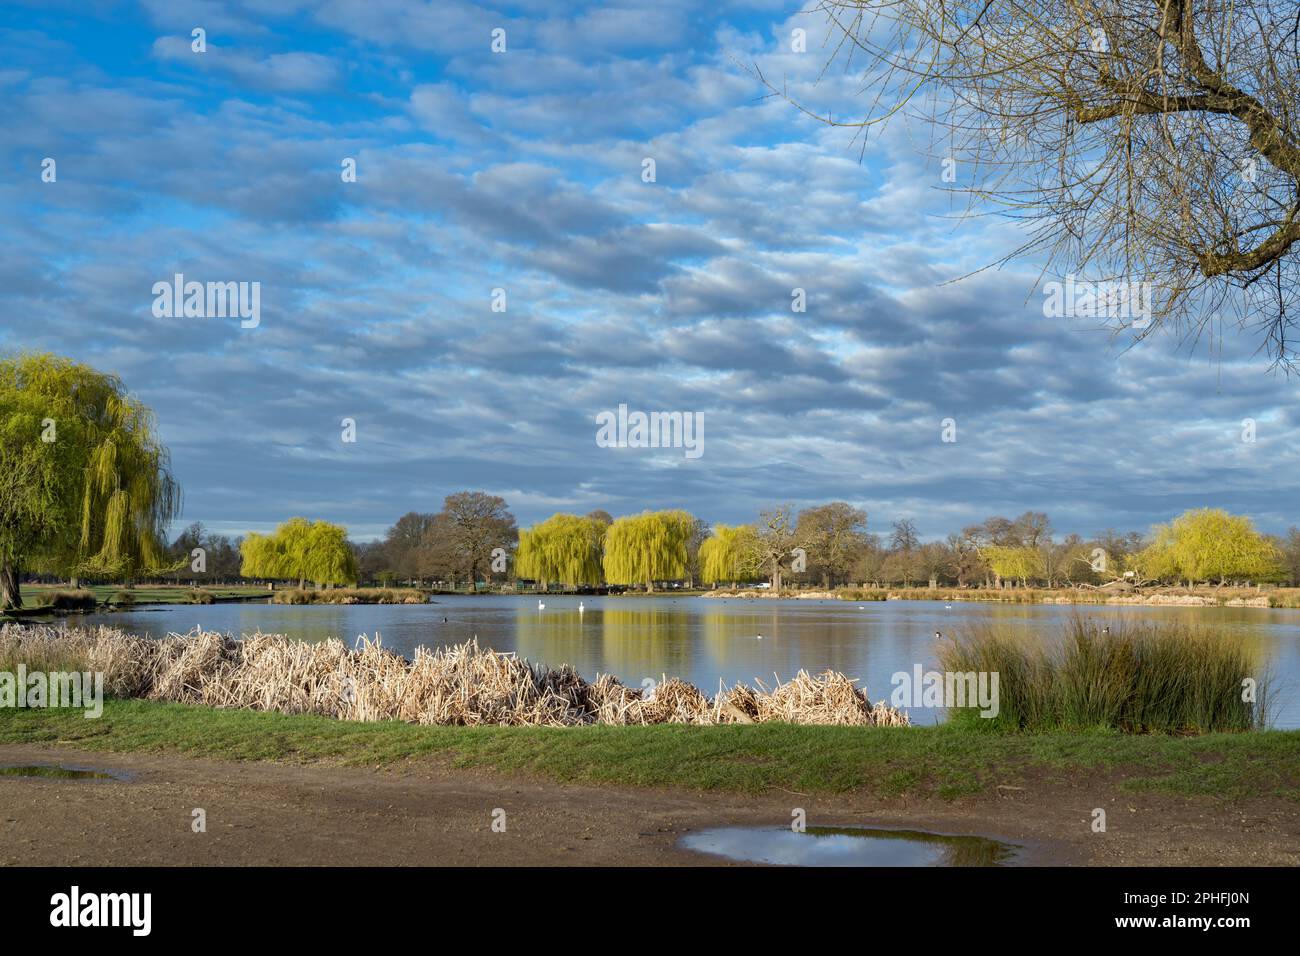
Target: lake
[{"x": 708, "y": 640}]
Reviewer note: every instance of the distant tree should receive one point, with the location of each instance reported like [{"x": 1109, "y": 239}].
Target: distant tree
[
  {"x": 417, "y": 547},
  {"x": 868, "y": 567},
  {"x": 731, "y": 554},
  {"x": 564, "y": 548},
  {"x": 777, "y": 538},
  {"x": 967, "y": 563},
  {"x": 904, "y": 536},
  {"x": 700, "y": 531},
  {"x": 1074, "y": 562},
  {"x": 372, "y": 563},
  {"x": 1033, "y": 529},
  {"x": 902, "y": 566},
  {"x": 478, "y": 523},
  {"x": 649, "y": 547},
  {"x": 301, "y": 550},
  {"x": 1289, "y": 548},
  {"x": 936, "y": 561},
  {"x": 85, "y": 484},
  {"x": 1211, "y": 545},
  {"x": 220, "y": 556},
  {"x": 1014, "y": 562},
  {"x": 832, "y": 534}
]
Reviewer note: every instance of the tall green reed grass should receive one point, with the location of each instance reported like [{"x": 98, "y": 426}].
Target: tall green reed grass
[{"x": 1139, "y": 678}]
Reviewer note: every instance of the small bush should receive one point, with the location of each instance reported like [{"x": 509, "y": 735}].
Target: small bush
[
  {"x": 350, "y": 596},
  {"x": 122, "y": 597}
]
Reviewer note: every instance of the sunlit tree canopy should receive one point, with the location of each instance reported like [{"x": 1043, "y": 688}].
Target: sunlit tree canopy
[{"x": 85, "y": 483}]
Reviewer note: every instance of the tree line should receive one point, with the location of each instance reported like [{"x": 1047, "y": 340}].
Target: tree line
[{"x": 475, "y": 540}]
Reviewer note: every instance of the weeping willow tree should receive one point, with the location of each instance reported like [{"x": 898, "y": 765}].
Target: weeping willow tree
[
  {"x": 85, "y": 485},
  {"x": 649, "y": 547},
  {"x": 1014, "y": 563},
  {"x": 563, "y": 548},
  {"x": 1209, "y": 544},
  {"x": 303, "y": 550},
  {"x": 731, "y": 554}
]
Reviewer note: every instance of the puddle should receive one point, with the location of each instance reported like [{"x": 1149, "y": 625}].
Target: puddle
[
  {"x": 849, "y": 846},
  {"x": 60, "y": 773}
]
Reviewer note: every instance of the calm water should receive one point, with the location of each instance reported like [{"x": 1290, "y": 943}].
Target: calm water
[
  {"x": 707, "y": 640},
  {"x": 849, "y": 846}
]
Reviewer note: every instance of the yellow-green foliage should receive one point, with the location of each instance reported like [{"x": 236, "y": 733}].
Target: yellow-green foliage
[
  {"x": 649, "y": 547},
  {"x": 85, "y": 485},
  {"x": 1013, "y": 563},
  {"x": 1209, "y": 544},
  {"x": 300, "y": 550},
  {"x": 731, "y": 554},
  {"x": 564, "y": 548}
]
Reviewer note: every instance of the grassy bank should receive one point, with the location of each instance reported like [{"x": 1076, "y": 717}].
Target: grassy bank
[
  {"x": 948, "y": 762},
  {"x": 42, "y": 594},
  {"x": 1173, "y": 596}
]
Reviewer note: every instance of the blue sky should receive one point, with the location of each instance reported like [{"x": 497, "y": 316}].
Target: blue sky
[{"x": 522, "y": 170}]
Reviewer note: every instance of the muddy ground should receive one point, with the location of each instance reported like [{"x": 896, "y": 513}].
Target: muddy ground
[{"x": 423, "y": 813}]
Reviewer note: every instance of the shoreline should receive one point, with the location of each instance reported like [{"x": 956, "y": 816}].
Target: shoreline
[{"x": 1018, "y": 596}]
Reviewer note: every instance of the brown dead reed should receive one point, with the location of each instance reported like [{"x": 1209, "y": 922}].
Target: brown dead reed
[{"x": 462, "y": 685}]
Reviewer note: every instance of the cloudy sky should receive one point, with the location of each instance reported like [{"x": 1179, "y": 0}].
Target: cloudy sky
[{"x": 523, "y": 171}]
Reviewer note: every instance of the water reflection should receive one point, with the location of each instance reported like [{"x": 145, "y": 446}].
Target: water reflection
[
  {"x": 849, "y": 846},
  {"x": 43, "y": 772}
]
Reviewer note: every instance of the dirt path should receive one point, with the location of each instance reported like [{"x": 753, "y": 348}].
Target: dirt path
[{"x": 422, "y": 813}]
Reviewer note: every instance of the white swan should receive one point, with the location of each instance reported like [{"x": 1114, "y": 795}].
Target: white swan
[
  {"x": 580, "y": 607},
  {"x": 541, "y": 606}
]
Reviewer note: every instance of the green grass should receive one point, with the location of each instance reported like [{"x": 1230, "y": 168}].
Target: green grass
[
  {"x": 34, "y": 594},
  {"x": 945, "y": 761}
]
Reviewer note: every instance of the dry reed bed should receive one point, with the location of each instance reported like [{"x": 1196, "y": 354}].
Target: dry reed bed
[{"x": 463, "y": 685}]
